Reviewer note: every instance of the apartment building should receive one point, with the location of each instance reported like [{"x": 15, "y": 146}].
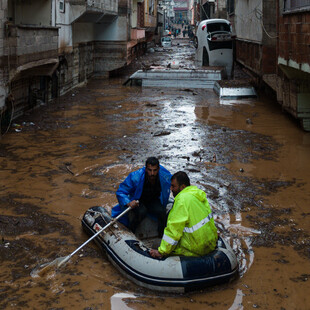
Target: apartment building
[
  {"x": 293, "y": 59},
  {"x": 273, "y": 43},
  {"x": 47, "y": 47}
]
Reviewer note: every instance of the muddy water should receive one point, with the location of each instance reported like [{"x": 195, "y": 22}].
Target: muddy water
[{"x": 250, "y": 158}]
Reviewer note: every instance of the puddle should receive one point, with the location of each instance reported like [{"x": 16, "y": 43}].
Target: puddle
[{"x": 118, "y": 301}]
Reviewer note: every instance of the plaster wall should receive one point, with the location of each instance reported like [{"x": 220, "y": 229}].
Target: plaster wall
[
  {"x": 220, "y": 5},
  {"x": 116, "y": 31},
  {"x": 82, "y": 32},
  {"x": 247, "y": 20},
  {"x": 62, "y": 20},
  {"x": 134, "y": 14},
  {"x": 3, "y": 84}
]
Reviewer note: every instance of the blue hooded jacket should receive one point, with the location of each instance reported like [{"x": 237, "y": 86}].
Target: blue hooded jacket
[{"x": 132, "y": 187}]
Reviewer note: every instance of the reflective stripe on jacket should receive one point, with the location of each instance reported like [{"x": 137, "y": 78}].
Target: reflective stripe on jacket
[{"x": 190, "y": 228}]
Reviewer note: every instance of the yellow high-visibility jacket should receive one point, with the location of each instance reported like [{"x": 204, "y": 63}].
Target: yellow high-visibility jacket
[{"x": 190, "y": 229}]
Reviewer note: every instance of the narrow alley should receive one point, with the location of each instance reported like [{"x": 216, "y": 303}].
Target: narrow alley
[{"x": 68, "y": 155}]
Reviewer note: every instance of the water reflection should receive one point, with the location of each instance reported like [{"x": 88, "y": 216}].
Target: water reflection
[
  {"x": 240, "y": 239},
  {"x": 237, "y": 304},
  {"x": 118, "y": 303}
]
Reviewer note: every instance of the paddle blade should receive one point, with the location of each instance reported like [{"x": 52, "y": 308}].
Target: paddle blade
[{"x": 45, "y": 268}]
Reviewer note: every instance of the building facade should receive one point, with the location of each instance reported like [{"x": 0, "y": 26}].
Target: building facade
[
  {"x": 256, "y": 37},
  {"x": 49, "y": 47},
  {"x": 293, "y": 59},
  {"x": 272, "y": 42}
]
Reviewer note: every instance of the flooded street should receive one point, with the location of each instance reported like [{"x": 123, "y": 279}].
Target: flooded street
[{"x": 59, "y": 160}]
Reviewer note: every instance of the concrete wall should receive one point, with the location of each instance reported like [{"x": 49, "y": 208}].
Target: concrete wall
[
  {"x": 134, "y": 14},
  {"x": 108, "y": 56},
  {"x": 62, "y": 21},
  {"x": 3, "y": 60},
  {"x": 293, "y": 76},
  {"x": 82, "y": 32},
  {"x": 116, "y": 31},
  {"x": 23, "y": 13},
  {"x": 247, "y": 20},
  {"x": 256, "y": 30},
  {"x": 103, "y": 4}
]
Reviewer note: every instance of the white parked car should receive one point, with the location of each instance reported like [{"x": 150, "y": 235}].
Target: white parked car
[
  {"x": 214, "y": 44},
  {"x": 166, "y": 42}
]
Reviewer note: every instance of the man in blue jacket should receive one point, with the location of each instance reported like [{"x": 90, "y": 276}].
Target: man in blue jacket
[{"x": 146, "y": 190}]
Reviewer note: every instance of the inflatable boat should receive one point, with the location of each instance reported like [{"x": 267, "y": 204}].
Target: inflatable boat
[{"x": 129, "y": 253}]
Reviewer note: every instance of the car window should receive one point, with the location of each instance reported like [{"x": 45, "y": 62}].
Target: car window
[
  {"x": 167, "y": 39},
  {"x": 218, "y": 27}
]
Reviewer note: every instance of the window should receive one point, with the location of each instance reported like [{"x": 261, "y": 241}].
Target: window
[
  {"x": 151, "y": 7},
  {"x": 230, "y": 6},
  {"x": 212, "y": 27},
  {"x": 62, "y": 6},
  {"x": 296, "y": 5}
]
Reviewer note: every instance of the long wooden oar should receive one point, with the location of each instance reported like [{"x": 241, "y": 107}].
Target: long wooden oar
[{"x": 62, "y": 260}]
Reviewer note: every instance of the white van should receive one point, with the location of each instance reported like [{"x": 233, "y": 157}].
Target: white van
[{"x": 214, "y": 44}]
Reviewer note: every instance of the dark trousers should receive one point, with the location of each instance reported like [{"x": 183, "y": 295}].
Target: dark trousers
[{"x": 154, "y": 208}]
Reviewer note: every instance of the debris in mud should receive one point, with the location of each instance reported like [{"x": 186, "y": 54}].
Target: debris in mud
[
  {"x": 186, "y": 157},
  {"x": 193, "y": 170},
  {"x": 301, "y": 278},
  {"x": 67, "y": 165},
  {"x": 268, "y": 222},
  {"x": 197, "y": 153},
  {"x": 162, "y": 133},
  {"x": 282, "y": 261}
]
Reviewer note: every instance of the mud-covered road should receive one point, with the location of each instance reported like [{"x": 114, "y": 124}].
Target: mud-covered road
[{"x": 56, "y": 162}]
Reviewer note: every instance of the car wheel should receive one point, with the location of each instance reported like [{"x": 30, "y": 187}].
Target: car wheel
[
  {"x": 205, "y": 58},
  {"x": 195, "y": 42}
]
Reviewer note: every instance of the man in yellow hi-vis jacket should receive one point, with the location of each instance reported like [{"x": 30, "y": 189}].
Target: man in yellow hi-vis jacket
[{"x": 190, "y": 229}]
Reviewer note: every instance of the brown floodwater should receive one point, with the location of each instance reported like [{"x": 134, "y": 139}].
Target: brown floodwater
[{"x": 56, "y": 162}]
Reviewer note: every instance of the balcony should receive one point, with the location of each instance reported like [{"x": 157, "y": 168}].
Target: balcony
[
  {"x": 150, "y": 22},
  {"x": 137, "y": 34},
  {"x": 94, "y": 11},
  {"x": 32, "y": 50}
]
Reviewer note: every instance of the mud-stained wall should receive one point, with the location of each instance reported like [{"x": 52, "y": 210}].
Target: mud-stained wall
[
  {"x": 249, "y": 54},
  {"x": 3, "y": 60},
  {"x": 109, "y": 56},
  {"x": 294, "y": 38},
  {"x": 75, "y": 67},
  {"x": 255, "y": 26},
  {"x": 293, "y": 76}
]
